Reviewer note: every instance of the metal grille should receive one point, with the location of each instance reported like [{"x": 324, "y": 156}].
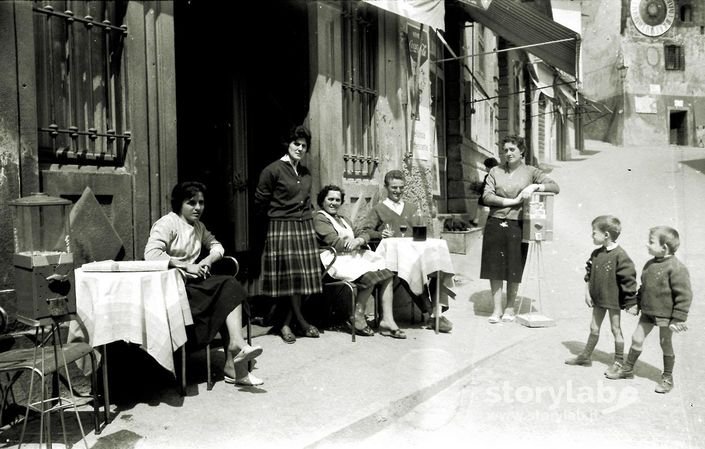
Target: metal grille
[
  {"x": 359, "y": 91},
  {"x": 675, "y": 58},
  {"x": 81, "y": 94}
]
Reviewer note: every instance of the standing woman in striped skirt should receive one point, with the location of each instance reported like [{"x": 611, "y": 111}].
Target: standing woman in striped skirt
[{"x": 291, "y": 267}]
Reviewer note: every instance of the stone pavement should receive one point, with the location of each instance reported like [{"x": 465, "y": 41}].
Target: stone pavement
[
  {"x": 493, "y": 384},
  {"x": 524, "y": 394}
]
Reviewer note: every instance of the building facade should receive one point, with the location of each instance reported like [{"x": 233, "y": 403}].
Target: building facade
[
  {"x": 643, "y": 64},
  {"x": 114, "y": 102}
]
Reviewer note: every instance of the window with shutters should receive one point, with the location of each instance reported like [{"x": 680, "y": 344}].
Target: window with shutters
[{"x": 81, "y": 95}]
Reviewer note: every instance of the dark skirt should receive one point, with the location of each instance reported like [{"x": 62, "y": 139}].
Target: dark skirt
[
  {"x": 372, "y": 278},
  {"x": 503, "y": 252},
  {"x": 211, "y": 301},
  {"x": 291, "y": 265}
]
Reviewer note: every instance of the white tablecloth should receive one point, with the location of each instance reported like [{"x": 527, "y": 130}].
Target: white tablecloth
[
  {"x": 146, "y": 308},
  {"x": 416, "y": 261}
]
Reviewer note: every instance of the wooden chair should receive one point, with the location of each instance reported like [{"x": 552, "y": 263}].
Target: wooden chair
[
  {"x": 230, "y": 266},
  {"x": 45, "y": 360}
]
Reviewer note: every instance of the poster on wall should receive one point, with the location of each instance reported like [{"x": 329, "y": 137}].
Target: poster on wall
[{"x": 424, "y": 147}]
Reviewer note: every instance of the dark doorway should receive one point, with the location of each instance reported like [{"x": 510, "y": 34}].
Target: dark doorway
[
  {"x": 237, "y": 94},
  {"x": 678, "y": 128}
]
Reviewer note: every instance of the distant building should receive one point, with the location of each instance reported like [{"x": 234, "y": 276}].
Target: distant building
[{"x": 642, "y": 63}]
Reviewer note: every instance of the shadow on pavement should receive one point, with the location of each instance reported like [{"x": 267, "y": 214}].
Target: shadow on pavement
[
  {"x": 696, "y": 164},
  {"x": 482, "y": 303},
  {"x": 641, "y": 369}
]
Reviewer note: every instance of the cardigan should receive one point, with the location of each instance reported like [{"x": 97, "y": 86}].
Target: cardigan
[
  {"x": 172, "y": 237},
  {"x": 284, "y": 194},
  {"x": 380, "y": 215},
  {"x": 327, "y": 234},
  {"x": 665, "y": 289},
  {"x": 500, "y": 183},
  {"x": 611, "y": 278}
]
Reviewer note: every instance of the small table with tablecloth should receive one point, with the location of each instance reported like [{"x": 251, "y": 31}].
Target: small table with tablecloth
[
  {"x": 416, "y": 261},
  {"x": 148, "y": 308}
]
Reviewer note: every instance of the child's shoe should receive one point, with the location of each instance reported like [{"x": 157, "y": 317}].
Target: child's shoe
[
  {"x": 665, "y": 385},
  {"x": 612, "y": 369},
  {"x": 624, "y": 372},
  {"x": 580, "y": 359}
]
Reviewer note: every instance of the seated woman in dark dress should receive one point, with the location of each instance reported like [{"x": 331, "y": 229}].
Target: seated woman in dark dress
[
  {"x": 354, "y": 263},
  {"x": 215, "y": 300}
]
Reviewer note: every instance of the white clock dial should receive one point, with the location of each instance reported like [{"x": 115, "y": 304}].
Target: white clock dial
[{"x": 653, "y": 17}]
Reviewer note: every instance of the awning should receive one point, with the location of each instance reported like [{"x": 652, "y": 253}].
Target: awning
[
  {"x": 524, "y": 26},
  {"x": 428, "y": 12},
  {"x": 542, "y": 76}
]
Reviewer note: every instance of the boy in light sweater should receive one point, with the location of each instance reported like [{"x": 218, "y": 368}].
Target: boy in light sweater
[{"x": 664, "y": 300}]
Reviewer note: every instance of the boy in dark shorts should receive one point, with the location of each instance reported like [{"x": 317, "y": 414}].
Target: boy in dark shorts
[
  {"x": 610, "y": 284},
  {"x": 664, "y": 300}
]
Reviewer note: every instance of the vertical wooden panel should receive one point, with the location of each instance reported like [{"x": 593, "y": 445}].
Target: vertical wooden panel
[
  {"x": 166, "y": 102},
  {"x": 138, "y": 157},
  {"x": 26, "y": 93}
]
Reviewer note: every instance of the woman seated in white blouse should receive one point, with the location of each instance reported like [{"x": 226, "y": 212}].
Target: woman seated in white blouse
[
  {"x": 215, "y": 300},
  {"x": 362, "y": 267}
]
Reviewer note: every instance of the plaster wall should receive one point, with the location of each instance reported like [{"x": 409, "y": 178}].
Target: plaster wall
[
  {"x": 601, "y": 49},
  {"x": 626, "y": 70}
]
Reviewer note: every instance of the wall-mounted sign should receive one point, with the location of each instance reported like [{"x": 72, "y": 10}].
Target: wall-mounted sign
[
  {"x": 652, "y": 17},
  {"x": 678, "y": 103},
  {"x": 645, "y": 104}
]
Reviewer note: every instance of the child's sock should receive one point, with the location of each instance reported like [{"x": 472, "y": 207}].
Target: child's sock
[
  {"x": 668, "y": 362},
  {"x": 618, "y": 351},
  {"x": 590, "y": 345},
  {"x": 631, "y": 358}
]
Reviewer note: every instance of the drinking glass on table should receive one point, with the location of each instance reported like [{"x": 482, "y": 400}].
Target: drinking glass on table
[{"x": 402, "y": 228}]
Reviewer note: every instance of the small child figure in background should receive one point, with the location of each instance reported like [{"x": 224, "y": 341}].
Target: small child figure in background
[
  {"x": 610, "y": 285},
  {"x": 664, "y": 299}
]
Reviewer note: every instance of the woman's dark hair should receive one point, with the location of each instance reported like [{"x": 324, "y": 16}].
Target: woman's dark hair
[
  {"x": 184, "y": 191},
  {"x": 297, "y": 132},
  {"x": 393, "y": 174},
  {"x": 324, "y": 193},
  {"x": 490, "y": 162},
  {"x": 516, "y": 140}
]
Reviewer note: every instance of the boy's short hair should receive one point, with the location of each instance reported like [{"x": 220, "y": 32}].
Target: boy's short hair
[
  {"x": 393, "y": 174},
  {"x": 490, "y": 162},
  {"x": 666, "y": 236},
  {"x": 609, "y": 224}
]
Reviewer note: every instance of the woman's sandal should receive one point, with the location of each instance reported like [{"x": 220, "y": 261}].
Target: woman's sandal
[
  {"x": 288, "y": 336},
  {"x": 364, "y": 332},
  {"x": 394, "y": 333},
  {"x": 247, "y": 353},
  {"x": 312, "y": 332},
  {"x": 248, "y": 381},
  {"x": 494, "y": 319}
]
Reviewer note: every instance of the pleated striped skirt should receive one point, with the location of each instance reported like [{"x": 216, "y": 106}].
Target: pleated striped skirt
[{"x": 291, "y": 265}]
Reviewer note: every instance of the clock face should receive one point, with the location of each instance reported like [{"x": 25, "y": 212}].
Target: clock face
[{"x": 652, "y": 17}]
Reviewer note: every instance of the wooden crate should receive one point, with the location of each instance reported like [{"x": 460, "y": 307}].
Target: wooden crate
[{"x": 459, "y": 241}]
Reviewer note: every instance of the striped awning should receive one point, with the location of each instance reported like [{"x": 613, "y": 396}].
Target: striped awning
[{"x": 523, "y": 26}]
